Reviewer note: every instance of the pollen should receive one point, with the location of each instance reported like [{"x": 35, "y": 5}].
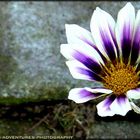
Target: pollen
[{"x": 120, "y": 78}]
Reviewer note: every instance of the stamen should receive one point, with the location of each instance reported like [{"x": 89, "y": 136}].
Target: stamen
[
  {"x": 138, "y": 83},
  {"x": 138, "y": 73},
  {"x": 121, "y": 78}
]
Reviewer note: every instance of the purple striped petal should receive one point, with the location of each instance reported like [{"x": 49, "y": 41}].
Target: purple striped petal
[
  {"x": 89, "y": 63},
  {"x": 102, "y": 28},
  {"x": 78, "y": 35},
  {"x": 126, "y": 42},
  {"x": 120, "y": 105},
  {"x": 89, "y": 57},
  {"x": 97, "y": 49},
  {"x": 103, "y": 108},
  {"x": 136, "y": 40},
  {"x": 81, "y": 95},
  {"x": 79, "y": 71},
  {"x": 124, "y": 30},
  {"x": 108, "y": 45}
]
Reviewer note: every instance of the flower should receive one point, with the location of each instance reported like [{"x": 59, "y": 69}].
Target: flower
[{"x": 109, "y": 54}]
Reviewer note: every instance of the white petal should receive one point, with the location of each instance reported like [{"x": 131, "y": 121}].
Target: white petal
[
  {"x": 137, "y": 21},
  {"x": 67, "y": 51},
  {"x": 120, "y": 106},
  {"x": 100, "y": 90},
  {"x": 135, "y": 107},
  {"x": 78, "y": 35},
  {"x": 136, "y": 37},
  {"x": 103, "y": 108},
  {"x": 102, "y": 23},
  {"x": 70, "y": 50},
  {"x": 125, "y": 19},
  {"x": 81, "y": 95},
  {"x": 79, "y": 71},
  {"x": 134, "y": 93},
  {"x": 137, "y": 28}
]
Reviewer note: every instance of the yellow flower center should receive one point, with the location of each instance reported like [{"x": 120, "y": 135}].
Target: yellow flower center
[{"x": 120, "y": 78}]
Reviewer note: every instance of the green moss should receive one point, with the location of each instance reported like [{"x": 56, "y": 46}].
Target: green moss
[
  {"x": 7, "y": 68},
  {"x": 13, "y": 100},
  {"x": 37, "y": 94},
  {"x": 49, "y": 92}
]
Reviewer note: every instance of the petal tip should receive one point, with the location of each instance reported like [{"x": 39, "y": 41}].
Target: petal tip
[
  {"x": 104, "y": 115},
  {"x": 103, "y": 112},
  {"x": 129, "y": 6},
  {"x": 97, "y": 8},
  {"x": 63, "y": 49},
  {"x": 68, "y": 26},
  {"x": 73, "y": 95}
]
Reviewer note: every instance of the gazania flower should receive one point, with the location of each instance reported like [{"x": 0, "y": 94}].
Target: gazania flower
[{"x": 108, "y": 54}]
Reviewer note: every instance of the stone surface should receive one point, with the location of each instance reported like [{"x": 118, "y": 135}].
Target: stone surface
[
  {"x": 31, "y": 66},
  {"x": 30, "y": 60},
  {"x": 113, "y": 130}
]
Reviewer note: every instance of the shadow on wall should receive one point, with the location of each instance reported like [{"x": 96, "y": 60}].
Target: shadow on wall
[
  {"x": 42, "y": 108},
  {"x": 130, "y": 117}
]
